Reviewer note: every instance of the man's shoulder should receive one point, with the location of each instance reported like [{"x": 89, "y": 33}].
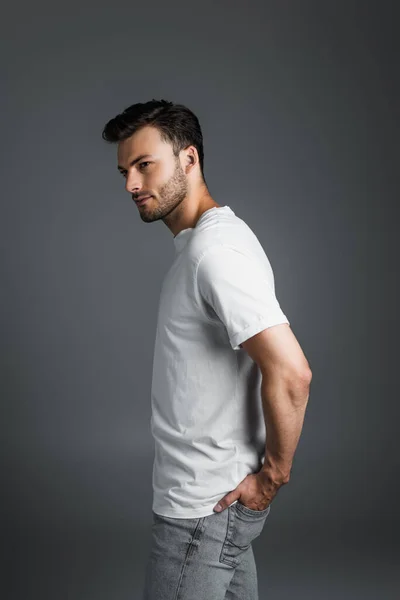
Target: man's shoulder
[
  {"x": 229, "y": 249},
  {"x": 220, "y": 234}
]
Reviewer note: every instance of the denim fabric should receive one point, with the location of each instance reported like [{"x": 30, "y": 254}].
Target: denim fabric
[{"x": 206, "y": 558}]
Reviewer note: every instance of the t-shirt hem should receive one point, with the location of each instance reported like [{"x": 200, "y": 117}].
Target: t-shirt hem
[
  {"x": 189, "y": 514},
  {"x": 255, "y": 328}
]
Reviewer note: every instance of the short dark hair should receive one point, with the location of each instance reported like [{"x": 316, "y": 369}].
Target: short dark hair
[{"x": 177, "y": 124}]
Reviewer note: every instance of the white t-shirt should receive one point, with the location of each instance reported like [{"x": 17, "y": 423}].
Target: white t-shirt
[{"x": 207, "y": 417}]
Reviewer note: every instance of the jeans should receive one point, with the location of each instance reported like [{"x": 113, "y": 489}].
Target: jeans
[{"x": 206, "y": 558}]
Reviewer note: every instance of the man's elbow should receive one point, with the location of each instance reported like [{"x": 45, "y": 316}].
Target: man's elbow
[
  {"x": 299, "y": 386},
  {"x": 306, "y": 376}
]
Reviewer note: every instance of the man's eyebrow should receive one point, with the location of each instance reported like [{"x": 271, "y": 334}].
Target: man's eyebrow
[{"x": 135, "y": 160}]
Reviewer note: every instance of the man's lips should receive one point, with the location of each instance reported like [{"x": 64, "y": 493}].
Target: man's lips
[{"x": 142, "y": 199}]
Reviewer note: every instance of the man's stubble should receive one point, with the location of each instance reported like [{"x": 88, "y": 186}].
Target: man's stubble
[{"x": 171, "y": 194}]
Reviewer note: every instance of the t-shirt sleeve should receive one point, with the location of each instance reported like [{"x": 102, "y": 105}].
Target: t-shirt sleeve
[{"x": 241, "y": 291}]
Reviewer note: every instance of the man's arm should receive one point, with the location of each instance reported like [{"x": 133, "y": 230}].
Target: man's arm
[{"x": 286, "y": 378}]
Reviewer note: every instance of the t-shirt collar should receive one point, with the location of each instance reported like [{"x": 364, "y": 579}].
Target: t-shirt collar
[{"x": 181, "y": 238}]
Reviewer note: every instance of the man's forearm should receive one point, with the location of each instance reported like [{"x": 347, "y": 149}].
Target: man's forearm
[{"x": 284, "y": 405}]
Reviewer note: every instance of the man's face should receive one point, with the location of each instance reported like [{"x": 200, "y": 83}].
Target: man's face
[{"x": 157, "y": 173}]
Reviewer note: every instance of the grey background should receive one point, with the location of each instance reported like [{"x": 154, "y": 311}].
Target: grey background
[{"x": 298, "y": 103}]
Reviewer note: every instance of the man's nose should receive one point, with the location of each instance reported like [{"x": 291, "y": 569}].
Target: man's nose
[{"x": 132, "y": 184}]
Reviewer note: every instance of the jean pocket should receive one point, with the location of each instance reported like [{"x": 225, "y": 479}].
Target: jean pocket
[{"x": 244, "y": 526}]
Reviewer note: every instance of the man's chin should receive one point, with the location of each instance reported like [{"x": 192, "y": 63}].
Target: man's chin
[{"x": 148, "y": 216}]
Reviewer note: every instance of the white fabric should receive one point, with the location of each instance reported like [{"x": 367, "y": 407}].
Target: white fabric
[{"x": 207, "y": 418}]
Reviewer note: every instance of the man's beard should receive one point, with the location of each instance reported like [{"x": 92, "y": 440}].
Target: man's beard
[{"x": 171, "y": 194}]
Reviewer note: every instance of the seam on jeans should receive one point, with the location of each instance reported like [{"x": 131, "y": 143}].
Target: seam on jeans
[
  {"x": 195, "y": 537},
  {"x": 222, "y": 558}
]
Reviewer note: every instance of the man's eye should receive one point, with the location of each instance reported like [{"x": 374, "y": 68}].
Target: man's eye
[{"x": 146, "y": 162}]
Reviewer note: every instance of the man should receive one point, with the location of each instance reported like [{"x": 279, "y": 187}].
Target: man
[{"x": 230, "y": 382}]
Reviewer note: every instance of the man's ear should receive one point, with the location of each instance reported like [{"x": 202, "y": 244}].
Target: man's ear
[{"x": 190, "y": 160}]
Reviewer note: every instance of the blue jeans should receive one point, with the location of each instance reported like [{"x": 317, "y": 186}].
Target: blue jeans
[{"x": 206, "y": 558}]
